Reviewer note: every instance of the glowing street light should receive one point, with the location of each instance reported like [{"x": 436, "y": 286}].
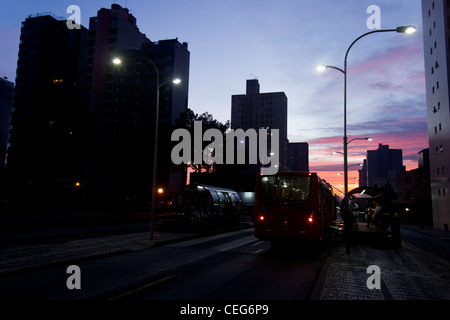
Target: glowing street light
[
  {"x": 402, "y": 29},
  {"x": 406, "y": 29},
  {"x": 367, "y": 138},
  {"x": 321, "y": 68},
  {"x": 118, "y": 61}
]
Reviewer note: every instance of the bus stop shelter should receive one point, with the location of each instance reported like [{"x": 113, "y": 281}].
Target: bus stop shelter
[
  {"x": 204, "y": 202},
  {"x": 371, "y": 212}
]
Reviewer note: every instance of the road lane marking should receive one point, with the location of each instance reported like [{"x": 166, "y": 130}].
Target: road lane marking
[
  {"x": 257, "y": 244},
  {"x": 148, "y": 285},
  {"x": 201, "y": 240},
  {"x": 238, "y": 245}
]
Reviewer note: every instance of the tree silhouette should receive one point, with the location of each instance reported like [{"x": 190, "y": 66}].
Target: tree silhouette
[{"x": 186, "y": 121}]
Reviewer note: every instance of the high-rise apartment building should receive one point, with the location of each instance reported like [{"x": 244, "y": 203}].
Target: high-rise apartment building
[
  {"x": 81, "y": 122},
  {"x": 134, "y": 102},
  {"x": 47, "y": 119},
  {"x": 436, "y": 43},
  {"x": 362, "y": 174},
  {"x": 111, "y": 31},
  {"x": 6, "y": 93},
  {"x": 110, "y": 88},
  {"x": 298, "y": 156},
  {"x": 135, "y": 83},
  {"x": 122, "y": 99},
  {"x": 383, "y": 165},
  {"x": 262, "y": 110}
]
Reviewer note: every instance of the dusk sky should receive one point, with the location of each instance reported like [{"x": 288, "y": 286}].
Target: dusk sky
[{"x": 281, "y": 43}]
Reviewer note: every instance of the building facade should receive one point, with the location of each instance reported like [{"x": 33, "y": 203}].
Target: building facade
[
  {"x": 362, "y": 174},
  {"x": 86, "y": 126},
  {"x": 383, "y": 165},
  {"x": 436, "y": 33},
  {"x": 414, "y": 193},
  {"x": 262, "y": 110},
  {"x": 122, "y": 100},
  {"x": 298, "y": 156},
  {"x": 111, "y": 31},
  {"x": 134, "y": 105},
  {"x": 47, "y": 128},
  {"x": 6, "y": 94}
]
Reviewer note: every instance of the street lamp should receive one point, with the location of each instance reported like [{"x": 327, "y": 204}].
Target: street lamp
[
  {"x": 402, "y": 29},
  {"x": 406, "y": 29},
  {"x": 367, "y": 138},
  {"x": 118, "y": 61}
]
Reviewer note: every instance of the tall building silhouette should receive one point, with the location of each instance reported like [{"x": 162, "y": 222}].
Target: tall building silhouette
[
  {"x": 298, "y": 156},
  {"x": 262, "y": 110},
  {"x": 383, "y": 165},
  {"x": 414, "y": 192},
  {"x": 47, "y": 127},
  {"x": 362, "y": 173},
  {"x": 122, "y": 100},
  {"x": 436, "y": 33},
  {"x": 6, "y": 93},
  {"x": 111, "y": 31},
  {"x": 82, "y": 128}
]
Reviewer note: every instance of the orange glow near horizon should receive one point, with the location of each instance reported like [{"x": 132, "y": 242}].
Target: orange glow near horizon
[{"x": 330, "y": 167}]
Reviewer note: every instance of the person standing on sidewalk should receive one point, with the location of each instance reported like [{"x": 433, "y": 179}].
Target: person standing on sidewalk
[{"x": 369, "y": 213}]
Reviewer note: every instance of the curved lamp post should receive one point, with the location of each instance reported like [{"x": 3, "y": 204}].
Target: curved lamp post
[
  {"x": 403, "y": 29},
  {"x": 118, "y": 61}
]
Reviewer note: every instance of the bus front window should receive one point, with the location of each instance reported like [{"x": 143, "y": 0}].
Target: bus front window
[{"x": 285, "y": 187}]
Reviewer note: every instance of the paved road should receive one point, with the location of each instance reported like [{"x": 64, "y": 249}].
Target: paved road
[{"x": 232, "y": 266}]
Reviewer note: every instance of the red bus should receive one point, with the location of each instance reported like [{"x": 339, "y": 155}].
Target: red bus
[{"x": 293, "y": 206}]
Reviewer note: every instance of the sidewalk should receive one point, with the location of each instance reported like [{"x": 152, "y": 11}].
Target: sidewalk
[
  {"x": 405, "y": 274},
  {"x": 427, "y": 230}
]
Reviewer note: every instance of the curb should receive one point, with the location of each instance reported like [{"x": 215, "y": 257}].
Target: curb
[{"x": 440, "y": 237}]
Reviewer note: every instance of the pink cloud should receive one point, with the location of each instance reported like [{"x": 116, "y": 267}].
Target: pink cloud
[
  {"x": 388, "y": 61},
  {"x": 328, "y": 165}
]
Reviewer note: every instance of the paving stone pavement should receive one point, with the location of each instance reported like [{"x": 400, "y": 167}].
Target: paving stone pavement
[{"x": 406, "y": 274}]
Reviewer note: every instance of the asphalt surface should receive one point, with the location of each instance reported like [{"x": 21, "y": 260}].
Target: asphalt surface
[{"x": 418, "y": 271}]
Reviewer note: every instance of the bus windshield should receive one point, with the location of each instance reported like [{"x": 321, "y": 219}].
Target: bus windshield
[{"x": 285, "y": 187}]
